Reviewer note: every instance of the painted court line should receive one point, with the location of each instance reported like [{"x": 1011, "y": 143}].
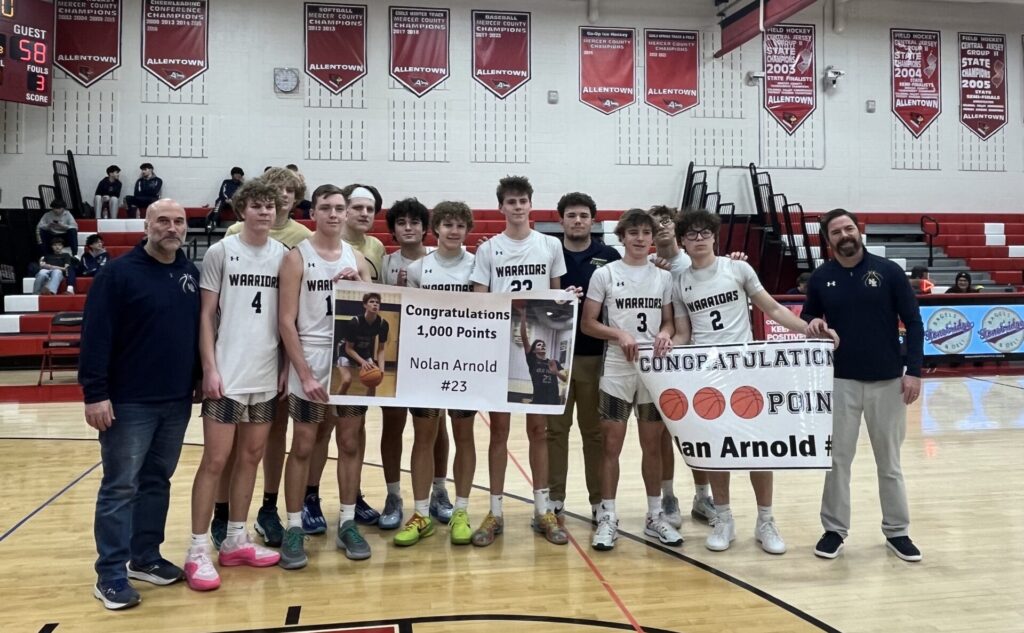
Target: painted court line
[{"x": 49, "y": 501}]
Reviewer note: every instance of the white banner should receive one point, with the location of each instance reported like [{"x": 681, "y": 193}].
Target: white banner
[
  {"x": 764, "y": 405},
  {"x": 453, "y": 350}
]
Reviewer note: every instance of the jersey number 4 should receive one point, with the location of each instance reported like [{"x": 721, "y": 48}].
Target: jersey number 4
[{"x": 257, "y": 302}]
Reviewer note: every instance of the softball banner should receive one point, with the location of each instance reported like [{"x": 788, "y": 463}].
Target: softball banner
[{"x": 763, "y": 405}]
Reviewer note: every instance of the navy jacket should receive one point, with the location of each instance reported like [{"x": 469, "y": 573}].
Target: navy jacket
[
  {"x": 148, "y": 188},
  {"x": 579, "y": 268},
  {"x": 227, "y": 191},
  {"x": 108, "y": 188}
]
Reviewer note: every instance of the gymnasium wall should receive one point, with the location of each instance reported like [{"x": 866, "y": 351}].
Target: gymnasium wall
[{"x": 456, "y": 141}]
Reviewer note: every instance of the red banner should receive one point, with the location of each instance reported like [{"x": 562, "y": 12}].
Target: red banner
[
  {"x": 419, "y": 47},
  {"x": 175, "y": 40},
  {"x": 916, "y": 78},
  {"x": 607, "y": 68},
  {"x": 983, "y": 83},
  {"x": 672, "y": 79},
  {"x": 790, "y": 81},
  {"x": 88, "y": 38},
  {"x": 335, "y": 44},
  {"x": 501, "y": 51}
]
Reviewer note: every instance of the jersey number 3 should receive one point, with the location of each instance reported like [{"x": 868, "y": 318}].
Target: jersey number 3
[{"x": 642, "y": 316}]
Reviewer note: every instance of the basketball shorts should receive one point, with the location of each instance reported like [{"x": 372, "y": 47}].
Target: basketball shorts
[
  {"x": 457, "y": 414},
  {"x": 306, "y": 411},
  {"x": 416, "y": 413},
  {"x": 627, "y": 387},
  {"x": 350, "y": 410},
  {"x": 319, "y": 360},
  {"x": 619, "y": 395},
  {"x": 254, "y": 408}
]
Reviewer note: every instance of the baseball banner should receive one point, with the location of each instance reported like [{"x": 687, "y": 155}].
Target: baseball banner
[
  {"x": 407, "y": 347},
  {"x": 501, "y": 51},
  {"x": 419, "y": 47},
  {"x": 790, "y": 81},
  {"x": 672, "y": 70},
  {"x": 335, "y": 44},
  {"x": 607, "y": 68},
  {"x": 88, "y": 45},
  {"x": 916, "y": 78},
  {"x": 983, "y": 83},
  {"x": 175, "y": 40},
  {"x": 749, "y": 406}
]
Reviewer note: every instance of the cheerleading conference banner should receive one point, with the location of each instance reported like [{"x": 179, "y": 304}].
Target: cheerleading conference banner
[
  {"x": 453, "y": 350},
  {"x": 175, "y": 40},
  {"x": 790, "y": 83},
  {"x": 983, "y": 83},
  {"x": 335, "y": 44},
  {"x": 764, "y": 405},
  {"x": 916, "y": 58},
  {"x": 501, "y": 51},
  {"x": 88, "y": 38},
  {"x": 419, "y": 47}
]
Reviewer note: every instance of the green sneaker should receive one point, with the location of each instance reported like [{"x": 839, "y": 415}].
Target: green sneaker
[
  {"x": 459, "y": 529},
  {"x": 415, "y": 528},
  {"x": 352, "y": 542},
  {"x": 293, "y": 550}
]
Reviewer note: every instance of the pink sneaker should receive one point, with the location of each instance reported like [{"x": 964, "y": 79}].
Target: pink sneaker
[
  {"x": 242, "y": 551},
  {"x": 200, "y": 573}
]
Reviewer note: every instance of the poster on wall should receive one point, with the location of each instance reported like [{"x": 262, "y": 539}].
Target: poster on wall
[
  {"x": 983, "y": 83},
  {"x": 335, "y": 44},
  {"x": 419, "y": 47},
  {"x": 88, "y": 45},
  {"x": 175, "y": 40},
  {"x": 672, "y": 70},
  {"x": 501, "y": 51},
  {"x": 607, "y": 68},
  {"x": 916, "y": 78},
  {"x": 790, "y": 81}
]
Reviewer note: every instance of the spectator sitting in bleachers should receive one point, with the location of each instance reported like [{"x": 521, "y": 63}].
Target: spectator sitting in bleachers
[
  {"x": 801, "y": 285},
  {"x": 919, "y": 280},
  {"x": 54, "y": 267},
  {"x": 108, "y": 194},
  {"x": 147, "y": 191},
  {"x": 58, "y": 221},
  {"x": 962, "y": 284},
  {"x": 95, "y": 256},
  {"x": 227, "y": 191}
]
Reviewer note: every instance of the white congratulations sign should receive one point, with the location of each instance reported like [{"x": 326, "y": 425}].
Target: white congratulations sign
[{"x": 764, "y": 405}]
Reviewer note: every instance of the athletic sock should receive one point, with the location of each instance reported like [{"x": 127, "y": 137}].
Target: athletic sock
[
  {"x": 347, "y": 513},
  {"x": 764, "y": 513},
  {"x": 220, "y": 510},
  {"x": 269, "y": 501},
  {"x": 461, "y": 503},
  {"x": 653, "y": 506},
  {"x": 666, "y": 488},
  {"x": 439, "y": 484},
  {"x": 422, "y": 506},
  {"x": 723, "y": 510},
  {"x": 496, "y": 505},
  {"x": 295, "y": 519},
  {"x": 313, "y": 490},
  {"x": 236, "y": 529},
  {"x": 394, "y": 488},
  {"x": 702, "y": 491},
  {"x": 200, "y": 540},
  {"x": 607, "y": 507},
  {"x": 542, "y": 500}
]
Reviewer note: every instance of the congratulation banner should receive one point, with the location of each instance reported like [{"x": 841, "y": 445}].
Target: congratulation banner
[
  {"x": 790, "y": 82},
  {"x": 419, "y": 48},
  {"x": 468, "y": 351},
  {"x": 501, "y": 51},
  {"x": 175, "y": 40},
  {"x": 916, "y": 78},
  {"x": 88, "y": 35},
  {"x": 672, "y": 77},
  {"x": 335, "y": 44},
  {"x": 983, "y": 83},
  {"x": 607, "y": 68},
  {"x": 749, "y": 406}
]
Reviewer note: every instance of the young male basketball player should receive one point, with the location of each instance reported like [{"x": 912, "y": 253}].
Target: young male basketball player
[
  {"x": 636, "y": 298},
  {"x": 238, "y": 344},
  {"x": 725, "y": 321}
]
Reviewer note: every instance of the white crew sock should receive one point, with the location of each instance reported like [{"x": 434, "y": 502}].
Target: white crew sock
[
  {"x": 200, "y": 540},
  {"x": 236, "y": 529},
  {"x": 394, "y": 488},
  {"x": 347, "y": 513},
  {"x": 461, "y": 503},
  {"x": 542, "y": 501},
  {"x": 702, "y": 491},
  {"x": 439, "y": 484},
  {"x": 422, "y": 506},
  {"x": 653, "y": 506},
  {"x": 764, "y": 513},
  {"x": 294, "y": 519},
  {"x": 607, "y": 507},
  {"x": 496, "y": 505}
]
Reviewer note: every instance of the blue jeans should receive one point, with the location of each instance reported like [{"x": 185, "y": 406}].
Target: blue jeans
[{"x": 140, "y": 452}]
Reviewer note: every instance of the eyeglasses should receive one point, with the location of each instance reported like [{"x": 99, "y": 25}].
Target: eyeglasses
[
  {"x": 666, "y": 222},
  {"x": 704, "y": 234}
]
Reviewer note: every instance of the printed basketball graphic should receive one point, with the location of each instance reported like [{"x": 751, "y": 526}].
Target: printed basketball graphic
[
  {"x": 747, "y": 402},
  {"x": 371, "y": 377},
  {"x": 673, "y": 404},
  {"x": 709, "y": 403}
]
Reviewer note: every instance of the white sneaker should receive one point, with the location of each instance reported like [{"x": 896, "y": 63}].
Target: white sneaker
[
  {"x": 703, "y": 509},
  {"x": 670, "y": 508},
  {"x": 607, "y": 533},
  {"x": 767, "y": 534},
  {"x": 723, "y": 533},
  {"x": 200, "y": 573},
  {"x": 658, "y": 526}
]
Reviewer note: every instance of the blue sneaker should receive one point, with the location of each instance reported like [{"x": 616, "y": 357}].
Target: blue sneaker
[
  {"x": 441, "y": 507},
  {"x": 313, "y": 521},
  {"x": 116, "y": 594},
  {"x": 365, "y": 515},
  {"x": 391, "y": 518}
]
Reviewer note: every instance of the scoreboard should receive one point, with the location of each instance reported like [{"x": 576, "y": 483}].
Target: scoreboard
[{"x": 26, "y": 45}]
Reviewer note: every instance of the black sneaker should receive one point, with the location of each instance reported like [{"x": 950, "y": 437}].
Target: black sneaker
[
  {"x": 268, "y": 525},
  {"x": 218, "y": 531},
  {"x": 162, "y": 572},
  {"x": 365, "y": 515},
  {"x": 829, "y": 545},
  {"x": 903, "y": 547},
  {"x": 117, "y": 594}
]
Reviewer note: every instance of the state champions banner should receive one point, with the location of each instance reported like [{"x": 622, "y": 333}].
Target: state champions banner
[
  {"x": 335, "y": 44},
  {"x": 750, "y": 406},
  {"x": 88, "y": 38},
  {"x": 607, "y": 68},
  {"x": 790, "y": 81},
  {"x": 916, "y": 58},
  {"x": 175, "y": 40},
  {"x": 983, "y": 83},
  {"x": 454, "y": 350},
  {"x": 672, "y": 70},
  {"x": 501, "y": 51},
  {"x": 420, "y": 58}
]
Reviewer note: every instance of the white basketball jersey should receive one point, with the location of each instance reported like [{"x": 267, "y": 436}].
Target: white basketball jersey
[
  {"x": 315, "y": 321},
  {"x": 507, "y": 265},
  {"x": 434, "y": 272},
  {"x": 632, "y": 298},
  {"x": 394, "y": 263},
  {"x": 715, "y": 298}
]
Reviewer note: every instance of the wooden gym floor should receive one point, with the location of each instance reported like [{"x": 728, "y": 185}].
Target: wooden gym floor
[{"x": 965, "y": 476}]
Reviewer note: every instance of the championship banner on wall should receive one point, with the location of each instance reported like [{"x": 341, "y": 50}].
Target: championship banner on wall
[
  {"x": 419, "y": 47},
  {"x": 916, "y": 78},
  {"x": 455, "y": 350},
  {"x": 335, "y": 44},
  {"x": 983, "y": 83},
  {"x": 175, "y": 40},
  {"x": 607, "y": 68},
  {"x": 749, "y": 406},
  {"x": 672, "y": 71},
  {"x": 790, "y": 81},
  {"x": 88, "y": 36},
  {"x": 501, "y": 51}
]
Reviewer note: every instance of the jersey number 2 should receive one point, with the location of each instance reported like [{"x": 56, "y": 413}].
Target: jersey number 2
[
  {"x": 716, "y": 321},
  {"x": 257, "y": 302}
]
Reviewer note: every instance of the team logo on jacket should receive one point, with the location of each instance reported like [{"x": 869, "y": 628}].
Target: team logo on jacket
[
  {"x": 188, "y": 282},
  {"x": 873, "y": 279},
  {"x": 949, "y": 331},
  {"x": 1002, "y": 329}
]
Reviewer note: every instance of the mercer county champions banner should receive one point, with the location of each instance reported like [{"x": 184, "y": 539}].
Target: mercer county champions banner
[
  {"x": 335, "y": 44},
  {"x": 501, "y": 51},
  {"x": 175, "y": 40},
  {"x": 455, "y": 350},
  {"x": 750, "y": 406},
  {"x": 672, "y": 72},
  {"x": 419, "y": 48},
  {"x": 607, "y": 68},
  {"x": 88, "y": 38}
]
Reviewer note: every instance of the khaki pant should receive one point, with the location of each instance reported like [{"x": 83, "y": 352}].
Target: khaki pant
[{"x": 582, "y": 394}]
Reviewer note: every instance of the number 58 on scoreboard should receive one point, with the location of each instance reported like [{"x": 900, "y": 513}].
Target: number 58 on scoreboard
[{"x": 26, "y": 42}]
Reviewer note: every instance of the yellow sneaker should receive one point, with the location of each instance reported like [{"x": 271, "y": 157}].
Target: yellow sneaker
[
  {"x": 491, "y": 527},
  {"x": 415, "y": 528},
  {"x": 459, "y": 529}
]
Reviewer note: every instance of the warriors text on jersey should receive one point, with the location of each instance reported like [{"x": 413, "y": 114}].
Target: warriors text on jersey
[
  {"x": 315, "y": 321},
  {"x": 434, "y": 272},
  {"x": 715, "y": 298},
  {"x": 507, "y": 265}
]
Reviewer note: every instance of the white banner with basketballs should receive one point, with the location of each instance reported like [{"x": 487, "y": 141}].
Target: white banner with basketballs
[{"x": 764, "y": 405}]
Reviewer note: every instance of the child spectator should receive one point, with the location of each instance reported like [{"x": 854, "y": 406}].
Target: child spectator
[
  {"x": 147, "y": 191},
  {"x": 108, "y": 194},
  {"x": 54, "y": 267},
  {"x": 95, "y": 256},
  {"x": 961, "y": 284},
  {"x": 57, "y": 221}
]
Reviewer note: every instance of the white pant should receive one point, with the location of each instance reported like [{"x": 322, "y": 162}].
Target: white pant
[
  {"x": 49, "y": 278},
  {"x": 113, "y": 201}
]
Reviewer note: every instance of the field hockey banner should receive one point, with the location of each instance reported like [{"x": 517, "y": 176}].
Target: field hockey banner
[
  {"x": 452, "y": 350},
  {"x": 335, "y": 44},
  {"x": 88, "y": 38},
  {"x": 916, "y": 78},
  {"x": 175, "y": 40},
  {"x": 501, "y": 51},
  {"x": 790, "y": 81},
  {"x": 752, "y": 406},
  {"x": 419, "y": 47},
  {"x": 672, "y": 72},
  {"x": 983, "y": 83},
  {"x": 607, "y": 68}
]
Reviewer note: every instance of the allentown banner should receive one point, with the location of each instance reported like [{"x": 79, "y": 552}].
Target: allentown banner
[
  {"x": 419, "y": 47},
  {"x": 88, "y": 45},
  {"x": 672, "y": 70},
  {"x": 749, "y": 406},
  {"x": 501, "y": 51},
  {"x": 607, "y": 68},
  {"x": 916, "y": 78},
  {"x": 456, "y": 350},
  {"x": 983, "y": 83},
  {"x": 175, "y": 40},
  {"x": 335, "y": 44},
  {"x": 790, "y": 81}
]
